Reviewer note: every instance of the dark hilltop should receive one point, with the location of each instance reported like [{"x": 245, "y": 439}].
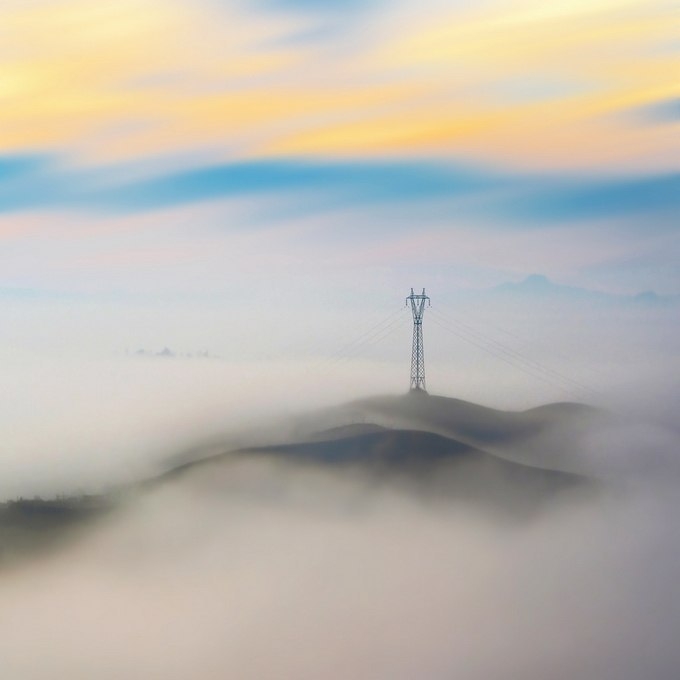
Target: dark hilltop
[{"x": 511, "y": 464}]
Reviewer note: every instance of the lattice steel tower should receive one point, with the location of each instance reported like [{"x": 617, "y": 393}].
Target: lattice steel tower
[{"x": 417, "y": 354}]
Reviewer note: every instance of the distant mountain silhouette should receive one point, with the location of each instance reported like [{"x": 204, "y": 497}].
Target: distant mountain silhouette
[
  {"x": 168, "y": 353},
  {"x": 539, "y": 286}
]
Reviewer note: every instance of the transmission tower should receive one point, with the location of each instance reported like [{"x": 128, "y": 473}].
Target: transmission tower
[{"x": 417, "y": 354}]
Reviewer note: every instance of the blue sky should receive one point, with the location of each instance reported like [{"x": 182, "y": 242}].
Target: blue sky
[
  {"x": 191, "y": 151},
  {"x": 267, "y": 180},
  {"x": 33, "y": 182}
]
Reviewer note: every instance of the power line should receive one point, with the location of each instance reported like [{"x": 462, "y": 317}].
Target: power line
[
  {"x": 511, "y": 352},
  {"x": 518, "y": 356},
  {"x": 367, "y": 335},
  {"x": 510, "y": 356},
  {"x": 370, "y": 337},
  {"x": 523, "y": 339}
]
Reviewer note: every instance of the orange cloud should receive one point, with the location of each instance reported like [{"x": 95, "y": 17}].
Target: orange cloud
[{"x": 144, "y": 77}]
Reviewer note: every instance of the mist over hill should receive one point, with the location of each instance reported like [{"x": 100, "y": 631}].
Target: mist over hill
[
  {"x": 431, "y": 446},
  {"x": 488, "y": 540},
  {"x": 515, "y": 463},
  {"x": 211, "y": 215}
]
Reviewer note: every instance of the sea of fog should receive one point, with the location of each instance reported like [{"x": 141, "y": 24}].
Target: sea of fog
[{"x": 268, "y": 570}]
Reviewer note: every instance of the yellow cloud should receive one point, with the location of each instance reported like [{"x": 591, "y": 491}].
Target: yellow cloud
[
  {"x": 72, "y": 69},
  {"x": 140, "y": 77}
]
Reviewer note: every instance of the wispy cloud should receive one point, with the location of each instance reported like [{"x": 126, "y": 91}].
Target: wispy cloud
[
  {"x": 154, "y": 146},
  {"x": 513, "y": 83},
  {"x": 664, "y": 111},
  {"x": 33, "y": 183}
]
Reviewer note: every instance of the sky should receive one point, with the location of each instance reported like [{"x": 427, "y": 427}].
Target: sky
[
  {"x": 184, "y": 147},
  {"x": 267, "y": 179},
  {"x": 211, "y": 212}
]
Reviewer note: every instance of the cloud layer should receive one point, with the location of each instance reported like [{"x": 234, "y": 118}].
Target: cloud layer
[{"x": 299, "y": 573}]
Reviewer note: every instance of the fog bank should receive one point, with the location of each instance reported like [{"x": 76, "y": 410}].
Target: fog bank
[{"x": 268, "y": 571}]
